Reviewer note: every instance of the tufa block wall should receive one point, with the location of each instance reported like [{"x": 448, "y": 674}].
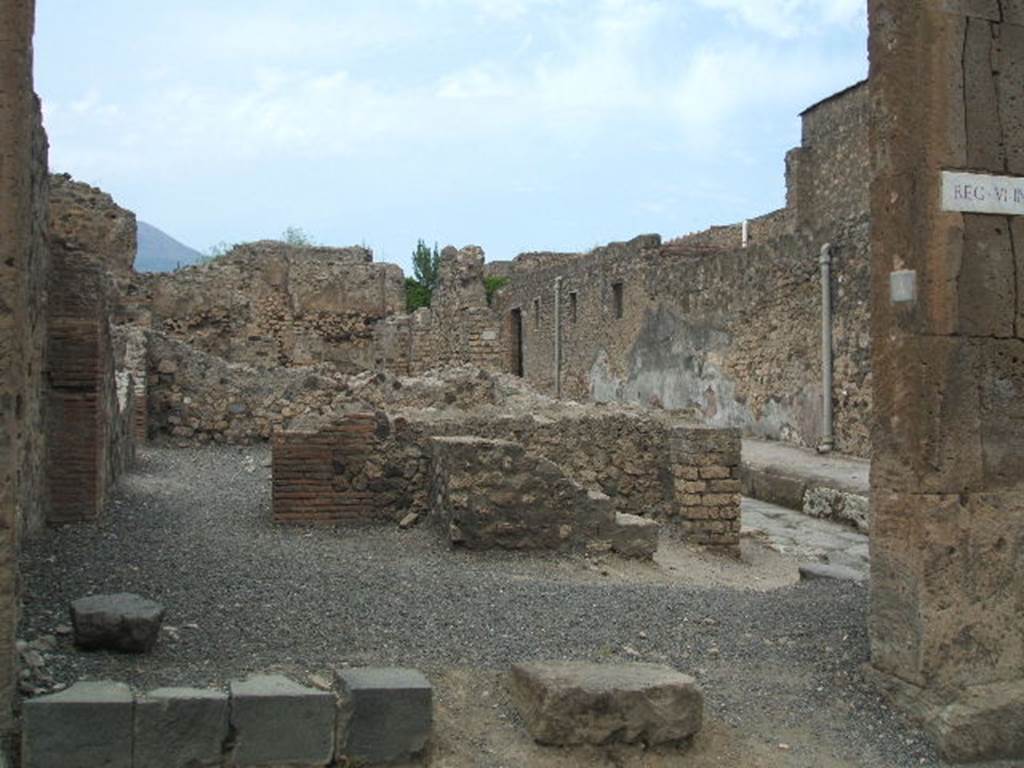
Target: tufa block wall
[{"x": 947, "y": 531}]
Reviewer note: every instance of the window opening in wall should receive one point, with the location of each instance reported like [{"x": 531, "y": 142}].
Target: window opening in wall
[
  {"x": 516, "y": 320},
  {"x": 572, "y": 306},
  {"x": 617, "y": 300},
  {"x": 536, "y": 313}
]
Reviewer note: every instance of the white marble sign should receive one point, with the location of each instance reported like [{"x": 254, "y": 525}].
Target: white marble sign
[{"x": 982, "y": 193}]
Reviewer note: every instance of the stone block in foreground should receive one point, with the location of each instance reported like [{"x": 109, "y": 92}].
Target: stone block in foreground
[
  {"x": 118, "y": 622},
  {"x": 386, "y": 714},
  {"x": 635, "y": 536},
  {"x": 279, "y": 722},
  {"x": 566, "y": 704},
  {"x": 180, "y": 728},
  {"x": 87, "y": 726}
]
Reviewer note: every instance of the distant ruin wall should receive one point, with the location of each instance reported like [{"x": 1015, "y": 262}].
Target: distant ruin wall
[
  {"x": 23, "y": 265},
  {"x": 199, "y": 397},
  {"x": 86, "y": 219},
  {"x": 269, "y": 304},
  {"x": 731, "y": 335},
  {"x": 459, "y": 328}
]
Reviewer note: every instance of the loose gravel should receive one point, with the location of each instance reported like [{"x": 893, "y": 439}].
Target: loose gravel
[{"x": 191, "y": 528}]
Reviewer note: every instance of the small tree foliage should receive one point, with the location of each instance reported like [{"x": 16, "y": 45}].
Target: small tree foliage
[
  {"x": 492, "y": 285},
  {"x": 296, "y": 236},
  {"x": 419, "y": 289}
]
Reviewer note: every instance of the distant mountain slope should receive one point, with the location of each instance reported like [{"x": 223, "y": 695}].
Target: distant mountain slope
[{"x": 159, "y": 252}]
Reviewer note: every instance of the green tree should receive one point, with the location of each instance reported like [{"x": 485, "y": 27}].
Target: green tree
[
  {"x": 296, "y": 236},
  {"x": 492, "y": 285},
  {"x": 419, "y": 289},
  {"x": 426, "y": 264}
]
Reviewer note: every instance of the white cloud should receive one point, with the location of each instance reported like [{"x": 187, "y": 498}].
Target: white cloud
[{"x": 586, "y": 70}]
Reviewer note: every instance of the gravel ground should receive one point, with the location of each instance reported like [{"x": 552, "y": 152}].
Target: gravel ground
[{"x": 191, "y": 528}]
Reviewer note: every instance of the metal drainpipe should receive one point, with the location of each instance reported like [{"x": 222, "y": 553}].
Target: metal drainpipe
[
  {"x": 828, "y": 438},
  {"x": 558, "y": 338}
]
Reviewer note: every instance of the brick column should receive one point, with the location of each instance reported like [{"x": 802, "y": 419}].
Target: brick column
[
  {"x": 947, "y": 586},
  {"x": 705, "y": 466}
]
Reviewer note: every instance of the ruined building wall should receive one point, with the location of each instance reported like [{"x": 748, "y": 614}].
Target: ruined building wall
[
  {"x": 458, "y": 328},
  {"x": 91, "y": 409},
  {"x": 376, "y": 467},
  {"x": 729, "y": 334},
  {"x": 270, "y": 304},
  {"x": 23, "y": 264}
]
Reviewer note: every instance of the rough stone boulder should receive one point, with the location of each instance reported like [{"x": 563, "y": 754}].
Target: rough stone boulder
[
  {"x": 493, "y": 493},
  {"x": 565, "y": 704},
  {"x": 119, "y": 622},
  {"x": 635, "y": 536}
]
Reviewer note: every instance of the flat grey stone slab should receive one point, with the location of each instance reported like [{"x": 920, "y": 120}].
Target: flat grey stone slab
[
  {"x": 87, "y": 726},
  {"x": 566, "y": 704},
  {"x": 820, "y": 571},
  {"x": 118, "y": 622},
  {"x": 278, "y": 722},
  {"x": 387, "y": 714},
  {"x": 180, "y": 728}
]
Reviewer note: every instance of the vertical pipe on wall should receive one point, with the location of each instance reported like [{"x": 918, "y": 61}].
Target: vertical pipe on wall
[
  {"x": 558, "y": 337},
  {"x": 827, "y": 438}
]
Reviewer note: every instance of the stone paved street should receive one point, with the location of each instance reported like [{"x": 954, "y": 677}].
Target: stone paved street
[{"x": 806, "y": 538}]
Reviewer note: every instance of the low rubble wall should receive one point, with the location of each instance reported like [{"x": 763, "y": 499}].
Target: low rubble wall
[{"x": 684, "y": 475}]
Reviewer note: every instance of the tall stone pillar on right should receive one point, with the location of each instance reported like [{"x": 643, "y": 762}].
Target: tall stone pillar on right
[{"x": 947, "y": 203}]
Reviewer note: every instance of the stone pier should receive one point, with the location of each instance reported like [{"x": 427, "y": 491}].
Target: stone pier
[{"x": 947, "y": 587}]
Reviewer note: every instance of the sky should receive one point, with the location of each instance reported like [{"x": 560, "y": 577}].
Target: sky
[{"x": 515, "y": 125}]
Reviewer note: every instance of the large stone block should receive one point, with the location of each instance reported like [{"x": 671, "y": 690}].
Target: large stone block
[
  {"x": 946, "y": 586},
  {"x": 566, "y": 704},
  {"x": 180, "y": 728},
  {"x": 386, "y": 714},
  {"x": 120, "y": 622},
  {"x": 279, "y": 722},
  {"x": 493, "y": 493},
  {"x": 87, "y": 726},
  {"x": 927, "y": 436},
  {"x": 985, "y": 723},
  {"x": 635, "y": 536}
]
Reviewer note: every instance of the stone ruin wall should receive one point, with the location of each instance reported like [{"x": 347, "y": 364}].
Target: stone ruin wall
[
  {"x": 459, "y": 328},
  {"x": 731, "y": 335},
  {"x": 376, "y": 467},
  {"x": 269, "y": 304},
  {"x": 23, "y": 267},
  {"x": 91, "y": 408}
]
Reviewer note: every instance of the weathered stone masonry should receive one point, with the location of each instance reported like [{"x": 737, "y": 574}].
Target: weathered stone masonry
[
  {"x": 23, "y": 265},
  {"x": 731, "y": 334},
  {"x": 376, "y": 468},
  {"x": 947, "y": 617}
]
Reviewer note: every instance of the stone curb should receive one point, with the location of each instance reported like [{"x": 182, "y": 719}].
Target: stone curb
[{"x": 264, "y": 720}]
